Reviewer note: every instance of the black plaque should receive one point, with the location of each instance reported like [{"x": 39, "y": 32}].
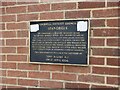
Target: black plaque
[{"x": 59, "y": 42}]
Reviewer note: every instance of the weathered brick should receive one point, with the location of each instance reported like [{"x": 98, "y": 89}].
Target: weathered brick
[
  {"x": 39, "y": 8},
  {"x": 84, "y": 5},
  {"x": 51, "y": 68},
  {"x": 77, "y": 14},
  {"x": 96, "y": 61},
  {"x": 23, "y": 50},
  {"x": 51, "y": 15},
  {"x": 46, "y": 1},
  {"x": 27, "y": 2},
  {"x": 105, "y": 70},
  {"x": 113, "y": 22},
  {"x": 77, "y": 69},
  {"x": 97, "y": 23},
  {"x": 16, "y": 73},
  {"x": 105, "y": 13},
  {"x": 18, "y": 58},
  {"x": 2, "y": 10},
  {"x": 8, "y": 49},
  {"x": 11, "y": 26},
  {"x": 91, "y": 78},
  {"x": 113, "y": 42},
  {"x": 113, "y": 61},
  {"x": 9, "y": 81},
  {"x": 113, "y": 80},
  {"x": 64, "y": 76},
  {"x": 23, "y": 33},
  {"x": 106, "y": 51},
  {"x": 51, "y": 84},
  {"x": 9, "y": 18},
  {"x": 16, "y": 42},
  {"x": 41, "y": 75},
  {"x": 7, "y": 65},
  {"x": 8, "y": 34},
  {"x": 2, "y": 42},
  {"x": 63, "y": 6},
  {"x": 26, "y": 66},
  {"x": 97, "y": 42},
  {"x": 2, "y": 26},
  {"x": 76, "y": 85},
  {"x": 19, "y": 9},
  {"x": 27, "y": 17},
  {"x": 2, "y": 58},
  {"x": 105, "y": 32},
  {"x": 113, "y": 4},
  {"x": 27, "y": 82},
  {"x": 105, "y": 87},
  {"x": 11, "y": 3}
]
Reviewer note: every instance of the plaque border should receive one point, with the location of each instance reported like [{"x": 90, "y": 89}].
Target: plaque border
[{"x": 63, "y": 64}]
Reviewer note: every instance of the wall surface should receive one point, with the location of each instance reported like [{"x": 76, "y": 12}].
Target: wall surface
[{"x": 17, "y": 72}]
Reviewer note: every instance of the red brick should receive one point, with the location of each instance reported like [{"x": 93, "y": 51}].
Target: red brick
[
  {"x": 2, "y": 42},
  {"x": 84, "y": 5},
  {"x": 16, "y": 73},
  {"x": 113, "y": 80},
  {"x": 46, "y": 1},
  {"x": 106, "y": 51},
  {"x": 41, "y": 75},
  {"x": 7, "y": 65},
  {"x": 105, "y": 70},
  {"x": 13, "y": 87},
  {"x": 8, "y": 49},
  {"x": 77, "y": 14},
  {"x": 113, "y": 22},
  {"x": 97, "y": 23},
  {"x": 113, "y": 4},
  {"x": 11, "y": 26},
  {"x": 28, "y": 2},
  {"x": 8, "y": 34},
  {"x": 105, "y": 87},
  {"x": 63, "y": 6},
  {"x": 105, "y": 32},
  {"x": 64, "y": 76},
  {"x": 15, "y": 42},
  {"x": 51, "y": 15},
  {"x": 113, "y": 42},
  {"x": 39, "y": 8},
  {"x": 2, "y": 26},
  {"x": 8, "y": 3},
  {"x": 26, "y": 82},
  {"x": 2, "y": 10},
  {"x": 23, "y": 50},
  {"x": 76, "y": 85},
  {"x": 51, "y": 68},
  {"x": 27, "y": 17},
  {"x": 91, "y": 78},
  {"x": 3, "y": 72},
  {"x": 23, "y": 33},
  {"x": 18, "y": 58},
  {"x": 96, "y": 61},
  {"x": 97, "y": 42},
  {"x": 26, "y": 66},
  {"x": 113, "y": 61},
  {"x": 18, "y": 9},
  {"x": 51, "y": 84},
  {"x": 77, "y": 69},
  {"x": 9, "y": 18},
  {"x": 2, "y": 58},
  {"x": 9, "y": 81},
  {"x": 105, "y": 13}
]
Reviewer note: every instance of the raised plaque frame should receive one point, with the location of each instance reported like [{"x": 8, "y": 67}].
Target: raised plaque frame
[{"x": 88, "y": 43}]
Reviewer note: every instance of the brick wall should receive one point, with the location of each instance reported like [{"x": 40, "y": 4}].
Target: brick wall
[{"x": 103, "y": 71}]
